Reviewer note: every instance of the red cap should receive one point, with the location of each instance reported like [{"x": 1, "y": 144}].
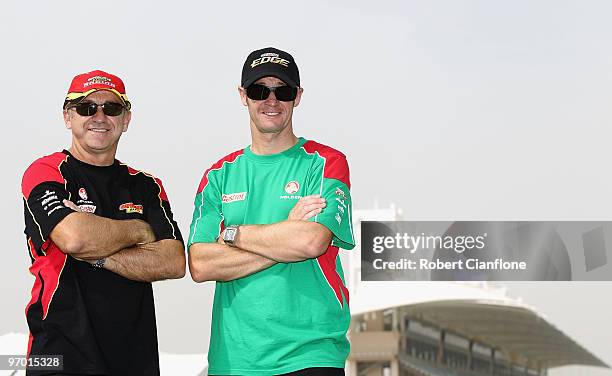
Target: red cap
[{"x": 84, "y": 84}]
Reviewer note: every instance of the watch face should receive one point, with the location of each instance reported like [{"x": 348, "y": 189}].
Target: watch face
[{"x": 230, "y": 234}]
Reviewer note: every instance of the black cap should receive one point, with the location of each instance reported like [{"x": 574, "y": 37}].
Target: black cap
[{"x": 270, "y": 62}]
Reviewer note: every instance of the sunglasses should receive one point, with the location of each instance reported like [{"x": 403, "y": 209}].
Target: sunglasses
[
  {"x": 259, "y": 92},
  {"x": 90, "y": 108}
]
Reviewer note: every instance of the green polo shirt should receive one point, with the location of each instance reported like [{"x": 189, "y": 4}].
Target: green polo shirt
[{"x": 292, "y": 315}]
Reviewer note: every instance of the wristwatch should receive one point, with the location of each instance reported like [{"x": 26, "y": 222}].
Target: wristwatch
[
  {"x": 229, "y": 236},
  {"x": 99, "y": 264}
]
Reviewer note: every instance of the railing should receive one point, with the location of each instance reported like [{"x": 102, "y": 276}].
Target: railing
[{"x": 456, "y": 362}]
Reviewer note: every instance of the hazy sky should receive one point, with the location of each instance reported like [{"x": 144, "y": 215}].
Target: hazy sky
[{"x": 453, "y": 110}]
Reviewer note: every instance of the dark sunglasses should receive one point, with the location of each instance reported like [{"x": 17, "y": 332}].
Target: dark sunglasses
[
  {"x": 259, "y": 92},
  {"x": 90, "y": 108}
]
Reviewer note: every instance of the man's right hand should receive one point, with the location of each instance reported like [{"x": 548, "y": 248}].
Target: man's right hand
[
  {"x": 148, "y": 236},
  {"x": 142, "y": 228},
  {"x": 307, "y": 207}
]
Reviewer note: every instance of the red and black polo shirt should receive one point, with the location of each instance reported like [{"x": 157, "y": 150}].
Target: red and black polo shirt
[{"x": 101, "y": 322}]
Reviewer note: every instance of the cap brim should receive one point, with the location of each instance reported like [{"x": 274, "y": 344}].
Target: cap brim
[
  {"x": 269, "y": 73},
  {"x": 123, "y": 97}
]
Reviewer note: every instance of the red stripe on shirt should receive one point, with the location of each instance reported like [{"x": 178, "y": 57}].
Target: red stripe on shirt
[
  {"x": 162, "y": 193},
  {"x": 327, "y": 262},
  {"x": 49, "y": 268},
  {"x": 336, "y": 166},
  {"x": 43, "y": 170},
  {"x": 37, "y": 285},
  {"x": 217, "y": 165}
]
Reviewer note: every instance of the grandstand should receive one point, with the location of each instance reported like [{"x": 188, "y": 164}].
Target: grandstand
[
  {"x": 448, "y": 328},
  {"x": 440, "y": 328}
]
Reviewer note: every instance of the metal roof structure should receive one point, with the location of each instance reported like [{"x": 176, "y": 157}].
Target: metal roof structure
[{"x": 484, "y": 315}]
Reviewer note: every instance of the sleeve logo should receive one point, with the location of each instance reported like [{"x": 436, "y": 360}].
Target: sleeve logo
[{"x": 50, "y": 202}]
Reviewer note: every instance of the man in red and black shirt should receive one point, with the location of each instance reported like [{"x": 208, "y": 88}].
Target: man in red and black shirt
[{"x": 98, "y": 233}]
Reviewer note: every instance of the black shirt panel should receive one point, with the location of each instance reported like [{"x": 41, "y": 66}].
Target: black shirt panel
[
  {"x": 67, "y": 328},
  {"x": 43, "y": 210}
]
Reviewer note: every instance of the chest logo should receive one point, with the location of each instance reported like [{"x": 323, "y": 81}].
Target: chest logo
[
  {"x": 88, "y": 208},
  {"x": 226, "y": 198},
  {"x": 83, "y": 193},
  {"x": 292, "y": 187},
  {"x": 130, "y": 207}
]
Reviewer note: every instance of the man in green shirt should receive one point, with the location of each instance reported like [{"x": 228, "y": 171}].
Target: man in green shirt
[{"x": 268, "y": 222}]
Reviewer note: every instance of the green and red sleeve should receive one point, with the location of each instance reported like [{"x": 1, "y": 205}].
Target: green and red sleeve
[
  {"x": 331, "y": 179},
  {"x": 207, "y": 221}
]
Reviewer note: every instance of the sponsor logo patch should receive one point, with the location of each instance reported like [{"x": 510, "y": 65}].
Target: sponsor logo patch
[
  {"x": 54, "y": 209},
  {"x": 290, "y": 197},
  {"x": 48, "y": 193},
  {"x": 50, "y": 202},
  {"x": 292, "y": 187},
  {"x": 130, "y": 207},
  {"x": 340, "y": 192},
  {"x": 269, "y": 58},
  {"x": 49, "y": 199},
  {"x": 99, "y": 80},
  {"x": 226, "y": 198},
  {"x": 83, "y": 193},
  {"x": 88, "y": 208}
]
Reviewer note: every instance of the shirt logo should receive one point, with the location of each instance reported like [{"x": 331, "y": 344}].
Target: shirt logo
[
  {"x": 226, "y": 198},
  {"x": 83, "y": 193},
  {"x": 87, "y": 208},
  {"x": 292, "y": 187},
  {"x": 340, "y": 192},
  {"x": 130, "y": 207}
]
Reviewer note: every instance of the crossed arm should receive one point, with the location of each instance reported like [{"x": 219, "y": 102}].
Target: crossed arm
[
  {"x": 163, "y": 259},
  {"x": 257, "y": 247},
  {"x": 129, "y": 246}
]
